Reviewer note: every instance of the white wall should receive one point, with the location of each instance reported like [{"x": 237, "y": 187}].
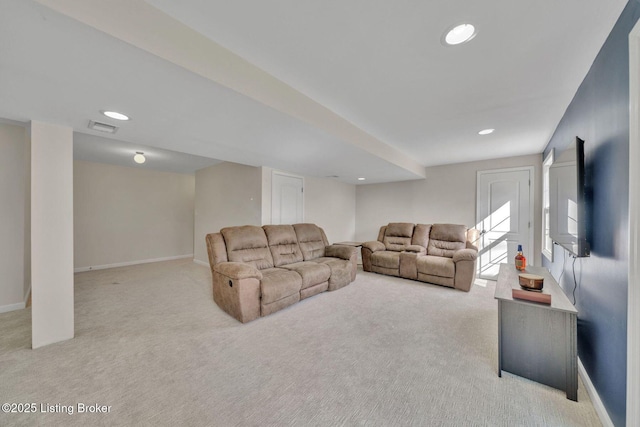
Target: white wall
[
  {"x": 447, "y": 195},
  {"x": 15, "y": 250},
  {"x": 227, "y": 194},
  {"x": 52, "y": 315},
  {"x": 328, "y": 203},
  {"x": 331, "y": 205},
  {"x": 127, "y": 215}
]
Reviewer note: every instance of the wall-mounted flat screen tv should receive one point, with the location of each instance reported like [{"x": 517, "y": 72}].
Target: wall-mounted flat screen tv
[{"x": 567, "y": 205}]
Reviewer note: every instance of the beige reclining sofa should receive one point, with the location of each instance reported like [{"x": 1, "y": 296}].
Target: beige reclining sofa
[
  {"x": 443, "y": 254},
  {"x": 259, "y": 270}
]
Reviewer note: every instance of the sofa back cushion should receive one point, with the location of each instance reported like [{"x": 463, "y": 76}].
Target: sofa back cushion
[
  {"x": 283, "y": 244},
  {"x": 216, "y": 249},
  {"x": 311, "y": 240},
  {"x": 248, "y": 244},
  {"x": 397, "y": 236},
  {"x": 421, "y": 235},
  {"x": 445, "y": 239},
  {"x": 473, "y": 235}
]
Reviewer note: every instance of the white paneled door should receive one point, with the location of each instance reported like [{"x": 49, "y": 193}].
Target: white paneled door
[
  {"x": 503, "y": 217},
  {"x": 286, "y": 199}
]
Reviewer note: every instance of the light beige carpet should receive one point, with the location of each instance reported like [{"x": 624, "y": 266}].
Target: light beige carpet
[{"x": 151, "y": 343}]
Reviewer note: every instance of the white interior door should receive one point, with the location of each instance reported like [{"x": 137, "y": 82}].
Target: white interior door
[
  {"x": 286, "y": 199},
  {"x": 504, "y": 206}
]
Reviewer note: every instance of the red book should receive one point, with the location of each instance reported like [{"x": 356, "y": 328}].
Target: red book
[{"x": 531, "y": 296}]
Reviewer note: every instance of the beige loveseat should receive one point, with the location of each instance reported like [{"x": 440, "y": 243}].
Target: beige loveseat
[
  {"x": 444, "y": 254},
  {"x": 259, "y": 270}
]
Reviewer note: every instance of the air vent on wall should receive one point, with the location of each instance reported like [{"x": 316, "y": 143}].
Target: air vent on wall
[{"x": 102, "y": 127}]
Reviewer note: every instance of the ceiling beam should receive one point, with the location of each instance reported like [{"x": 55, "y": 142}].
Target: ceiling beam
[{"x": 140, "y": 24}]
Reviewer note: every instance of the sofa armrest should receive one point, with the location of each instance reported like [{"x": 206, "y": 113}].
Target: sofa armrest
[
  {"x": 416, "y": 249},
  {"x": 465, "y": 255},
  {"x": 347, "y": 253},
  {"x": 340, "y": 251},
  {"x": 238, "y": 270},
  {"x": 236, "y": 290},
  {"x": 465, "y": 260},
  {"x": 374, "y": 246}
]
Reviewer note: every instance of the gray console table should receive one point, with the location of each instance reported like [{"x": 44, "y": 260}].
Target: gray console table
[{"x": 537, "y": 341}]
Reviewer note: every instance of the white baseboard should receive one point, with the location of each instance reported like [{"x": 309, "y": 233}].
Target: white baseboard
[
  {"x": 12, "y": 307},
  {"x": 128, "y": 263},
  {"x": 595, "y": 398},
  {"x": 19, "y": 306},
  {"x": 197, "y": 261}
]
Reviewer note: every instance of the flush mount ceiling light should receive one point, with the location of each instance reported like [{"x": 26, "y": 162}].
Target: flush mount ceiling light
[
  {"x": 115, "y": 115},
  {"x": 139, "y": 157},
  {"x": 361, "y": 179},
  {"x": 459, "y": 34},
  {"x": 486, "y": 131}
]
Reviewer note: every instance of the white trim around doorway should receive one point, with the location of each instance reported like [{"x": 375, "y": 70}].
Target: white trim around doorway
[
  {"x": 532, "y": 188},
  {"x": 633, "y": 301}
]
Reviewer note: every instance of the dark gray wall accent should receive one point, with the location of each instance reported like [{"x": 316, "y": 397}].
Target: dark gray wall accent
[{"x": 599, "y": 114}]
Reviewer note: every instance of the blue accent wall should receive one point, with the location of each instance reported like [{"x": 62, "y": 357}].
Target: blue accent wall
[{"x": 599, "y": 114}]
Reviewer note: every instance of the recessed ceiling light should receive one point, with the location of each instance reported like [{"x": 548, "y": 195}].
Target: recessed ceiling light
[
  {"x": 361, "y": 179},
  {"x": 139, "y": 157},
  {"x": 115, "y": 115},
  {"x": 459, "y": 34},
  {"x": 486, "y": 131}
]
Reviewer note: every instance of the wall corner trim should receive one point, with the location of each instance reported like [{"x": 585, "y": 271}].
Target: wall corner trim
[
  {"x": 197, "y": 261},
  {"x": 593, "y": 395},
  {"x": 11, "y": 307},
  {"x": 128, "y": 263}
]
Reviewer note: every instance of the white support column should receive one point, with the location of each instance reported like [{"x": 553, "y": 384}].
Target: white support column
[{"x": 52, "y": 314}]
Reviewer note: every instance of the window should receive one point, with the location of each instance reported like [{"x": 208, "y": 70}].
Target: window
[{"x": 547, "y": 243}]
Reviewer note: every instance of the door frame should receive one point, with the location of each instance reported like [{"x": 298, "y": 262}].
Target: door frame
[
  {"x": 633, "y": 291},
  {"x": 532, "y": 183},
  {"x": 291, "y": 175}
]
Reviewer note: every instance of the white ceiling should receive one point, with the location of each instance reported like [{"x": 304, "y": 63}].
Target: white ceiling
[
  {"x": 359, "y": 88},
  {"x": 95, "y": 148}
]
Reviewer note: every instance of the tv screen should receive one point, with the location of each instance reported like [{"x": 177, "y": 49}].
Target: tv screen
[{"x": 567, "y": 218}]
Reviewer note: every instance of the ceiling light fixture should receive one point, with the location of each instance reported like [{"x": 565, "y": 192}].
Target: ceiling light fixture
[
  {"x": 115, "y": 115},
  {"x": 459, "y": 34},
  {"x": 486, "y": 131},
  {"x": 139, "y": 157},
  {"x": 361, "y": 179}
]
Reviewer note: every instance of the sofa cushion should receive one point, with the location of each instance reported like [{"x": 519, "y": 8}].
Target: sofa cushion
[
  {"x": 311, "y": 240},
  {"x": 216, "y": 248},
  {"x": 446, "y": 239},
  {"x": 397, "y": 236},
  {"x": 436, "y": 266},
  {"x": 283, "y": 244},
  {"x": 266, "y": 309},
  {"x": 340, "y": 271},
  {"x": 386, "y": 259},
  {"x": 248, "y": 244},
  {"x": 278, "y": 283},
  {"x": 312, "y": 273},
  {"x": 421, "y": 235}
]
